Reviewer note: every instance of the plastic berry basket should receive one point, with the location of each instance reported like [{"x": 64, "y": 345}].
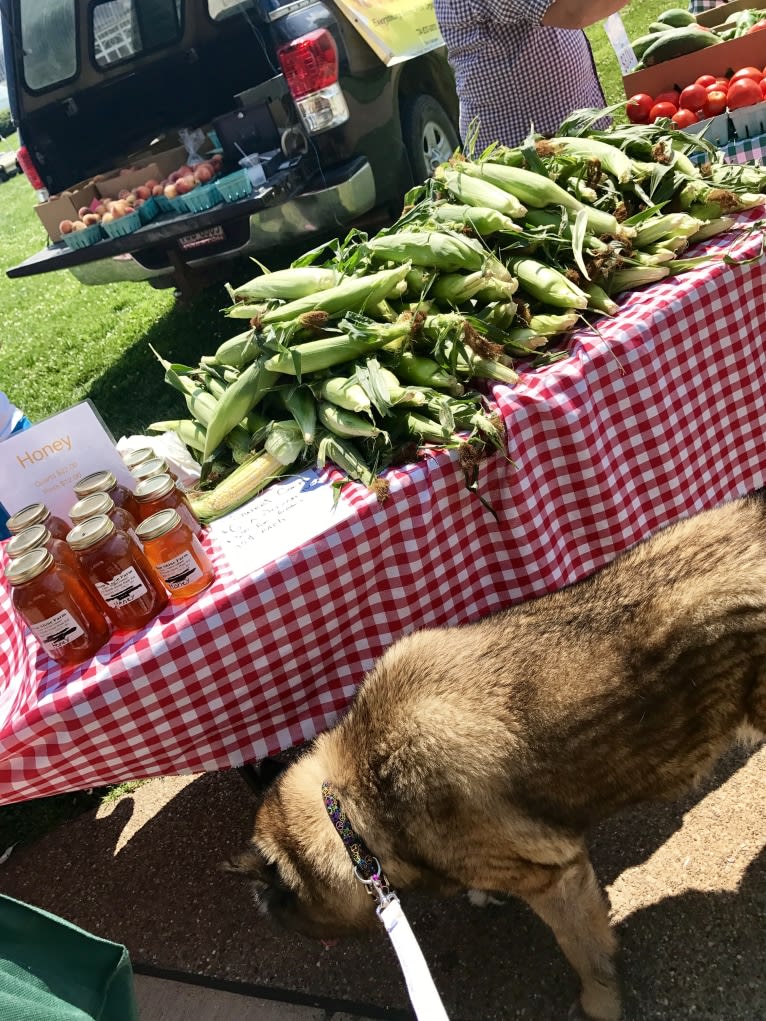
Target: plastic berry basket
[
  {"x": 203, "y": 197},
  {"x": 125, "y": 225},
  {"x": 84, "y": 238},
  {"x": 149, "y": 210},
  {"x": 164, "y": 205},
  {"x": 234, "y": 186}
]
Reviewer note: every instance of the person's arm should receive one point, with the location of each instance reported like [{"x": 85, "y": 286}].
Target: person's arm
[{"x": 580, "y": 13}]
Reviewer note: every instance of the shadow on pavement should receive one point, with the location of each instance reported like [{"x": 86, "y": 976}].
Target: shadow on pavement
[{"x": 693, "y": 955}]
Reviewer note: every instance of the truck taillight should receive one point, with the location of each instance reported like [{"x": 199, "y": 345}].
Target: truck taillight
[
  {"x": 30, "y": 171},
  {"x": 310, "y": 67}
]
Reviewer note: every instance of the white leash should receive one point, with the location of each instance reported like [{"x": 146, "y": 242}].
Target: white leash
[{"x": 423, "y": 993}]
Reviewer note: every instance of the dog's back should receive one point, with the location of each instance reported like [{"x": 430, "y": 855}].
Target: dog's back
[{"x": 623, "y": 687}]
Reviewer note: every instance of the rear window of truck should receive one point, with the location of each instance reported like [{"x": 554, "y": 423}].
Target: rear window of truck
[
  {"x": 49, "y": 42},
  {"x": 122, "y": 29}
]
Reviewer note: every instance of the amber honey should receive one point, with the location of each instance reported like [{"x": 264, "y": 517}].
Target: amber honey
[
  {"x": 59, "y": 610},
  {"x": 37, "y": 514},
  {"x": 37, "y": 536},
  {"x": 177, "y": 554},
  {"x": 129, "y": 587},
  {"x": 106, "y": 482},
  {"x": 160, "y": 492},
  {"x": 102, "y": 503}
]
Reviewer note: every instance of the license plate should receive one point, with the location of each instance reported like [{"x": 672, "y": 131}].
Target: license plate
[{"x": 202, "y": 237}]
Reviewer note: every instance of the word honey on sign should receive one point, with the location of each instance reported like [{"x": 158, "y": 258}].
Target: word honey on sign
[{"x": 42, "y": 464}]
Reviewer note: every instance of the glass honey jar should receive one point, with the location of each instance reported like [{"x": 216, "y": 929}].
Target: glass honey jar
[
  {"x": 37, "y": 514},
  {"x": 136, "y": 457},
  {"x": 59, "y": 610},
  {"x": 154, "y": 466},
  {"x": 130, "y": 588},
  {"x": 177, "y": 554},
  {"x": 37, "y": 536},
  {"x": 160, "y": 492},
  {"x": 102, "y": 503},
  {"x": 106, "y": 482}
]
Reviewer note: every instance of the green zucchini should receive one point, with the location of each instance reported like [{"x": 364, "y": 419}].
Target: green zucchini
[
  {"x": 676, "y": 43},
  {"x": 676, "y": 17}
]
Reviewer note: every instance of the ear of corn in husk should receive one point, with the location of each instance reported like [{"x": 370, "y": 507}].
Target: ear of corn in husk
[
  {"x": 287, "y": 284},
  {"x": 352, "y": 293}
]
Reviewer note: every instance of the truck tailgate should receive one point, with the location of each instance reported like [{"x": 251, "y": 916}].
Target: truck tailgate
[{"x": 172, "y": 232}]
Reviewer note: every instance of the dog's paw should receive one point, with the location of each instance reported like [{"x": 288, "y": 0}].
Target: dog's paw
[
  {"x": 482, "y": 899},
  {"x": 576, "y": 1013}
]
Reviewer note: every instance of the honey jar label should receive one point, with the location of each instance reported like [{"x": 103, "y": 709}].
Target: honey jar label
[
  {"x": 123, "y": 588},
  {"x": 179, "y": 571},
  {"x": 57, "y": 631}
]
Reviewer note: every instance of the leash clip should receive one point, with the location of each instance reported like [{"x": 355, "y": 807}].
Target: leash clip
[{"x": 376, "y": 885}]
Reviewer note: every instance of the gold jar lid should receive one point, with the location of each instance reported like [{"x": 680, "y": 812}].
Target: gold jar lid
[
  {"x": 158, "y": 524},
  {"x": 34, "y": 514},
  {"x": 28, "y": 566},
  {"x": 136, "y": 457},
  {"x": 154, "y": 466},
  {"x": 96, "y": 482},
  {"x": 89, "y": 506},
  {"x": 90, "y": 531},
  {"x": 154, "y": 487},
  {"x": 27, "y": 539}
]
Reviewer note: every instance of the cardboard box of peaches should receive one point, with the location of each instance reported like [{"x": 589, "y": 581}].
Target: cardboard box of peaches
[
  {"x": 729, "y": 74},
  {"x": 106, "y": 198}
]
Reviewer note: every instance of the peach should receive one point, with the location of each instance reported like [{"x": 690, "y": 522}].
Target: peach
[
  {"x": 170, "y": 190},
  {"x": 78, "y": 225},
  {"x": 66, "y": 227},
  {"x": 90, "y": 218},
  {"x": 204, "y": 173}
]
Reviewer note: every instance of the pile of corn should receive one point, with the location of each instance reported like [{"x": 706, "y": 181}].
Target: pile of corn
[{"x": 366, "y": 349}]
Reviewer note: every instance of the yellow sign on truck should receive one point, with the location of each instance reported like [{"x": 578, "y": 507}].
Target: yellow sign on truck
[{"x": 395, "y": 29}]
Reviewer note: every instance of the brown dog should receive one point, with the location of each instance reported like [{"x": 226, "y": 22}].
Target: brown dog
[{"x": 477, "y": 757}]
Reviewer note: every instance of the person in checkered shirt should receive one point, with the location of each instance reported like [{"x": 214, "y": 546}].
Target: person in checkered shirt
[
  {"x": 521, "y": 63},
  {"x": 699, "y": 6}
]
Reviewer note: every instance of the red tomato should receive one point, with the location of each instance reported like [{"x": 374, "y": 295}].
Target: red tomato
[
  {"x": 716, "y": 103},
  {"x": 705, "y": 79},
  {"x": 757, "y": 27},
  {"x": 746, "y": 72},
  {"x": 763, "y": 87},
  {"x": 638, "y": 107},
  {"x": 716, "y": 88},
  {"x": 692, "y": 98},
  {"x": 669, "y": 96},
  {"x": 662, "y": 110},
  {"x": 723, "y": 82},
  {"x": 744, "y": 92},
  {"x": 684, "y": 118}
]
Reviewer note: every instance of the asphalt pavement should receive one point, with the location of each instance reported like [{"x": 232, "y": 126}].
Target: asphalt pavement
[{"x": 687, "y": 884}]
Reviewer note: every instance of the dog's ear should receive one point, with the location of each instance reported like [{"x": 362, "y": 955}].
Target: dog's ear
[{"x": 261, "y": 775}]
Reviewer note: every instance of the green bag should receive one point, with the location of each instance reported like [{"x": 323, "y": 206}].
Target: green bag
[{"x": 51, "y": 970}]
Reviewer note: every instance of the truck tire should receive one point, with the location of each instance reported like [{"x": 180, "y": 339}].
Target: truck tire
[
  {"x": 3, "y": 175},
  {"x": 429, "y": 135}
]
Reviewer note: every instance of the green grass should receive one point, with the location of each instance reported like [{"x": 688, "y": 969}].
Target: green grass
[{"x": 62, "y": 342}]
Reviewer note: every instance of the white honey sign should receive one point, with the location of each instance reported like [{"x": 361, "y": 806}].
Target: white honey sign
[{"x": 42, "y": 464}]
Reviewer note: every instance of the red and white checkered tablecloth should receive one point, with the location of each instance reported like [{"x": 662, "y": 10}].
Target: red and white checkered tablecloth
[{"x": 658, "y": 414}]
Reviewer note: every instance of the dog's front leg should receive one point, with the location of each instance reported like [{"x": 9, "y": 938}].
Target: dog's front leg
[{"x": 575, "y": 907}]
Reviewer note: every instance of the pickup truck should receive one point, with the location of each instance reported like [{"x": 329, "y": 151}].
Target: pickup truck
[{"x": 101, "y": 85}]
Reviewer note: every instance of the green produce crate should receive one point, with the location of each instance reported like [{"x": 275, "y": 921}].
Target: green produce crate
[
  {"x": 125, "y": 225},
  {"x": 84, "y": 238},
  {"x": 149, "y": 210},
  {"x": 203, "y": 197},
  {"x": 234, "y": 186}
]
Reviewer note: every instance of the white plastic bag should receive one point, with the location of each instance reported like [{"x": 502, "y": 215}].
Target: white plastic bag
[{"x": 193, "y": 140}]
